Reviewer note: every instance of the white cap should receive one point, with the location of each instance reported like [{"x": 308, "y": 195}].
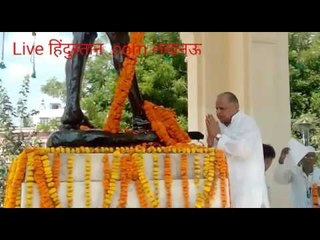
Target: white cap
[
  {"x": 297, "y": 151},
  {"x": 311, "y": 149}
]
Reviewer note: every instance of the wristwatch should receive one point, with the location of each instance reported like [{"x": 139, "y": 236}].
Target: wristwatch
[{"x": 218, "y": 136}]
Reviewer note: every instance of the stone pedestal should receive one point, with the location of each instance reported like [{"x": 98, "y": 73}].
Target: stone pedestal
[{"x": 96, "y": 186}]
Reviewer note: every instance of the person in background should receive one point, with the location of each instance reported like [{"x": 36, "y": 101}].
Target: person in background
[
  {"x": 304, "y": 178},
  {"x": 269, "y": 154}
]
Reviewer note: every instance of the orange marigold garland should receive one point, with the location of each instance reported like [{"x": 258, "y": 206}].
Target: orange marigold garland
[
  {"x": 9, "y": 180},
  {"x": 143, "y": 179},
  {"x": 114, "y": 177},
  {"x": 315, "y": 195},
  {"x": 138, "y": 185},
  {"x": 223, "y": 174},
  {"x": 29, "y": 180},
  {"x": 157, "y": 125},
  {"x": 164, "y": 123},
  {"x": 40, "y": 179},
  {"x": 169, "y": 119},
  {"x": 56, "y": 169},
  {"x": 17, "y": 180},
  {"x": 168, "y": 179},
  {"x": 112, "y": 123},
  {"x": 106, "y": 174},
  {"x": 124, "y": 181},
  {"x": 49, "y": 178}
]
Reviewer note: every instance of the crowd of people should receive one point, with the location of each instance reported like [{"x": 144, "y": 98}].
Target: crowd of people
[{"x": 239, "y": 136}]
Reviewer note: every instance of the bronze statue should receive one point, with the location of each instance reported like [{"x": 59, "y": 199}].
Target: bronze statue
[{"x": 73, "y": 116}]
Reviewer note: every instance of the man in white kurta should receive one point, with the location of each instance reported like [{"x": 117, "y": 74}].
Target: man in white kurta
[
  {"x": 301, "y": 176},
  {"x": 239, "y": 136}
]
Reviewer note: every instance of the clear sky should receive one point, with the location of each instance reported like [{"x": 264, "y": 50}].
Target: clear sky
[{"x": 18, "y": 66}]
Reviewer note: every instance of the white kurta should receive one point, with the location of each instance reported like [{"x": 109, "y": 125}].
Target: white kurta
[
  {"x": 242, "y": 144},
  {"x": 300, "y": 183}
]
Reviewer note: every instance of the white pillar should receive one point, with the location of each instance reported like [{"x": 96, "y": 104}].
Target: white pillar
[{"x": 255, "y": 67}]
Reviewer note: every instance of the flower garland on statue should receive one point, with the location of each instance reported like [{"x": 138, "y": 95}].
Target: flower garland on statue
[
  {"x": 163, "y": 120},
  {"x": 112, "y": 123},
  {"x": 164, "y": 123}
]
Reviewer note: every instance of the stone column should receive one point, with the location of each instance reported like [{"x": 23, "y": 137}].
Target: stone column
[{"x": 255, "y": 67}]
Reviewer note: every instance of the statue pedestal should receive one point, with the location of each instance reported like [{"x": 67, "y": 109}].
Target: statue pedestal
[{"x": 97, "y": 189}]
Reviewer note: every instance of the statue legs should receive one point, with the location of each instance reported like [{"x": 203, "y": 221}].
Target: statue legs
[
  {"x": 139, "y": 121},
  {"x": 73, "y": 116}
]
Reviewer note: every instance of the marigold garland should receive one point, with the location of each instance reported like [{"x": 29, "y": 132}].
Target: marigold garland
[
  {"x": 49, "y": 179},
  {"x": 138, "y": 185},
  {"x": 168, "y": 179},
  {"x": 155, "y": 173},
  {"x": 56, "y": 169},
  {"x": 87, "y": 179},
  {"x": 157, "y": 125},
  {"x": 106, "y": 174},
  {"x": 125, "y": 178},
  {"x": 143, "y": 179},
  {"x": 29, "y": 180},
  {"x": 70, "y": 162},
  {"x": 112, "y": 123},
  {"x": 34, "y": 163},
  {"x": 40, "y": 179},
  {"x": 203, "y": 196},
  {"x": 315, "y": 195},
  {"x": 197, "y": 170},
  {"x": 114, "y": 177},
  {"x": 169, "y": 119},
  {"x": 17, "y": 180},
  {"x": 214, "y": 183},
  {"x": 9, "y": 180},
  {"x": 184, "y": 177},
  {"x": 223, "y": 174}
]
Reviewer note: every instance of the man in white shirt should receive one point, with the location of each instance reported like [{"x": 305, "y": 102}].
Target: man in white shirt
[
  {"x": 239, "y": 136},
  {"x": 301, "y": 177}
]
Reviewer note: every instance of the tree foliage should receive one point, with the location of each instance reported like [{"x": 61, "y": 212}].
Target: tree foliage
[
  {"x": 13, "y": 141},
  {"x": 304, "y": 65}
]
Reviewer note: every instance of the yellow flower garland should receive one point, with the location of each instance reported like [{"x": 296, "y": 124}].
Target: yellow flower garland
[
  {"x": 114, "y": 177},
  {"x": 197, "y": 170},
  {"x": 87, "y": 179},
  {"x": 29, "y": 180},
  {"x": 70, "y": 162},
  {"x": 34, "y": 164},
  {"x": 156, "y": 178}
]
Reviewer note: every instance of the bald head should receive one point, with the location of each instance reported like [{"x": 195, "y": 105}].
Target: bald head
[
  {"x": 230, "y": 96},
  {"x": 227, "y": 105}
]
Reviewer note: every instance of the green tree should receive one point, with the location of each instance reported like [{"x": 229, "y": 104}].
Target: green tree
[
  {"x": 51, "y": 126},
  {"x": 55, "y": 88},
  {"x": 304, "y": 66},
  {"x": 13, "y": 142}
]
